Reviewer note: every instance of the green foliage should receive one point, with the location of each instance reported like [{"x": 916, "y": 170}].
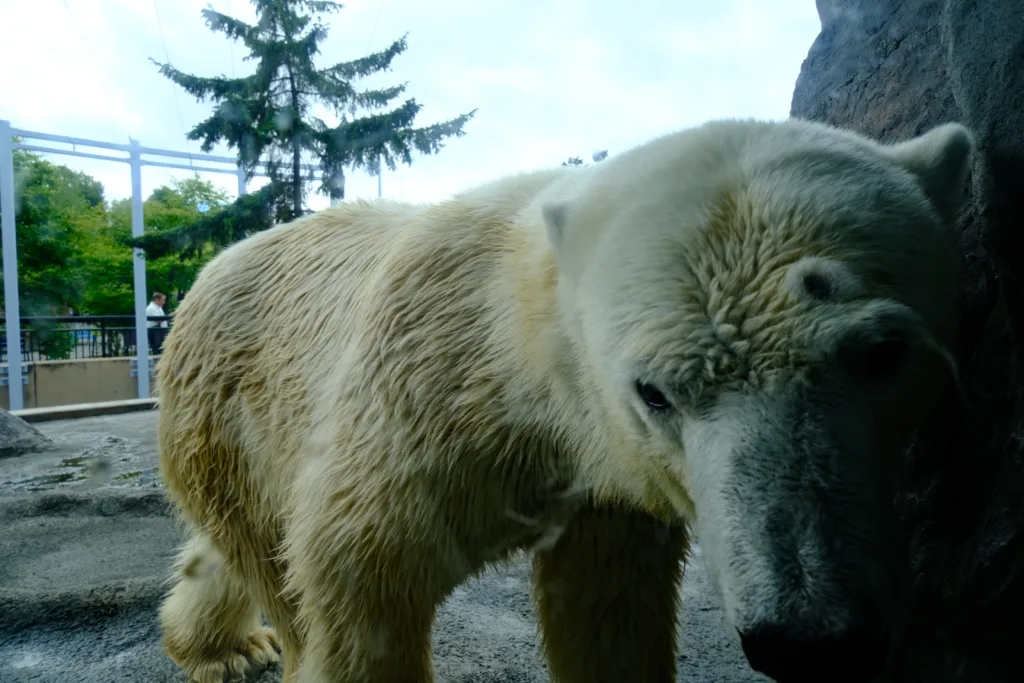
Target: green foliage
[
  {"x": 52, "y": 340},
  {"x": 73, "y": 250},
  {"x": 267, "y": 117},
  {"x": 167, "y": 212},
  {"x": 107, "y": 268},
  {"x": 57, "y": 209},
  {"x": 189, "y": 239}
]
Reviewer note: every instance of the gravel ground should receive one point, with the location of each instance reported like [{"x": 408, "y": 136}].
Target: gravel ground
[{"x": 87, "y": 542}]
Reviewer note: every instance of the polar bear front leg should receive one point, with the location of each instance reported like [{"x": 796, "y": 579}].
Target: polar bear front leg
[
  {"x": 367, "y": 573},
  {"x": 608, "y": 594}
]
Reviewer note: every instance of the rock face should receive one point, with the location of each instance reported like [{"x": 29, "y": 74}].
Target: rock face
[
  {"x": 892, "y": 69},
  {"x": 18, "y": 437}
]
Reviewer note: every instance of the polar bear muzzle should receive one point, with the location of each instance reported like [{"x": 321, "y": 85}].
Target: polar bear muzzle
[{"x": 796, "y": 526}]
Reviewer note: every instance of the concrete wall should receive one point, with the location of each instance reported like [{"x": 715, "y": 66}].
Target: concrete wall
[{"x": 67, "y": 382}]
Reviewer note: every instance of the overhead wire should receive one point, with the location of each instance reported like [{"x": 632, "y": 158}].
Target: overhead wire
[
  {"x": 88, "y": 50},
  {"x": 231, "y": 43},
  {"x": 174, "y": 89}
]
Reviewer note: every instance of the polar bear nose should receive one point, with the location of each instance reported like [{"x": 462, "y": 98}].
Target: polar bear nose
[{"x": 853, "y": 657}]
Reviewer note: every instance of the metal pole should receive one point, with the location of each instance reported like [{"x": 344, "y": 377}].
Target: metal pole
[
  {"x": 380, "y": 168},
  {"x": 240, "y": 172},
  {"x": 10, "y": 261},
  {"x": 139, "y": 270}
]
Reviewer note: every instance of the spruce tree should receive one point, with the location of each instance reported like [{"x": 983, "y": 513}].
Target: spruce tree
[{"x": 267, "y": 116}]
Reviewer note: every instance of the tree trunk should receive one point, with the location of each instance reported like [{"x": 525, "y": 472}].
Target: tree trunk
[{"x": 296, "y": 151}]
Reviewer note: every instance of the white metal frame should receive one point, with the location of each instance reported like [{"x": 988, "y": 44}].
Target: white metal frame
[{"x": 136, "y": 160}]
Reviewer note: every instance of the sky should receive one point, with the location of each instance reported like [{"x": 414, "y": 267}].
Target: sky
[{"x": 549, "y": 79}]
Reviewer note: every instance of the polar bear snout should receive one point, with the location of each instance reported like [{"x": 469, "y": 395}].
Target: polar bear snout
[
  {"x": 798, "y": 536},
  {"x": 787, "y": 656}
]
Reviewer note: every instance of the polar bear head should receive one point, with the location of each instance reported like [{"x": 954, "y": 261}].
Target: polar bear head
[{"x": 765, "y": 312}]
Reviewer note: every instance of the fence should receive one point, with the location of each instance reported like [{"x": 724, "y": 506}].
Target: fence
[
  {"x": 83, "y": 337},
  {"x": 137, "y": 157}
]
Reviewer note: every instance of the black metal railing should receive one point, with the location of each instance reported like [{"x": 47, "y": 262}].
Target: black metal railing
[{"x": 81, "y": 336}]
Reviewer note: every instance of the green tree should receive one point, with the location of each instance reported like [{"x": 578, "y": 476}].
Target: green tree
[
  {"x": 56, "y": 211},
  {"x": 268, "y": 117},
  {"x": 246, "y": 215},
  {"x": 108, "y": 268},
  {"x": 171, "y": 209}
]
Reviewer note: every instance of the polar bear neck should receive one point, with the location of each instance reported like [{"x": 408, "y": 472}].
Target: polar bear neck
[
  {"x": 526, "y": 313},
  {"x": 558, "y": 390}
]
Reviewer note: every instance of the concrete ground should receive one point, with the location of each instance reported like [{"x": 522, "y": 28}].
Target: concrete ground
[{"x": 87, "y": 541}]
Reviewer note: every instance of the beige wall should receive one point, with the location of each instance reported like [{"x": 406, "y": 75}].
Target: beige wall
[{"x": 66, "y": 382}]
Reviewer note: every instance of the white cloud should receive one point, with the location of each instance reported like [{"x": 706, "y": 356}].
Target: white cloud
[{"x": 551, "y": 79}]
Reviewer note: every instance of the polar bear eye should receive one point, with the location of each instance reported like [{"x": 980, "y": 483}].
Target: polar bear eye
[
  {"x": 652, "y": 396},
  {"x": 884, "y": 358}
]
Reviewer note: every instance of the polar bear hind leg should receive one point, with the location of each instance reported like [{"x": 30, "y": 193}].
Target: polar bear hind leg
[{"x": 211, "y": 626}]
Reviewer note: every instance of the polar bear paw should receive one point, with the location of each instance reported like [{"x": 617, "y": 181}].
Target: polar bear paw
[{"x": 261, "y": 649}]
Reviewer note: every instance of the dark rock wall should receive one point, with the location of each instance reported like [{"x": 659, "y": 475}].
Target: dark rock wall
[
  {"x": 879, "y": 67},
  {"x": 892, "y": 69}
]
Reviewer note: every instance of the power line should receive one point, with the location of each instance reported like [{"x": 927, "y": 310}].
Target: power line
[
  {"x": 373, "y": 33},
  {"x": 231, "y": 43},
  {"x": 85, "y": 42},
  {"x": 88, "y": 50},
  {"x": 174, "y": 90}
]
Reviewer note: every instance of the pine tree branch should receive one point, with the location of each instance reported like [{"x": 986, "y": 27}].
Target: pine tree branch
[
  {"x": 429, "y": 139},
  {"x": 356, "y": 142},
  {"x": 234, "y": 29},
  {"x": 340, "y": 96},
  {"x": 241, "y": 124},
  {"x": 370, "y": 64},
  {"x": 321, "y": 6},
  {"x": 248, "y": 214},
  {"x": 359, "y": 143},
  {"x": 375, "y": 99},
  {"x": 305, "y": 48},
  {"x": 202, "y": 88}
]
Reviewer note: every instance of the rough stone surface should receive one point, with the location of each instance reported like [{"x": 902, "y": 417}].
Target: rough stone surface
[
  {"x": 892, "y": 69},
  {"x": 18, "y": 437},
  {"x": 86, "y": 545}
]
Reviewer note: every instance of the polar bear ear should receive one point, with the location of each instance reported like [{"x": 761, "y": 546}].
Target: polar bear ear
[
  {"x": 940, "y": 158},
  {"x": 555, "y": 217}
]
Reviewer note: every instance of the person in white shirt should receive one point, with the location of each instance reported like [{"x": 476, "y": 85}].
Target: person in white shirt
[{"x": 157, "y": 329}]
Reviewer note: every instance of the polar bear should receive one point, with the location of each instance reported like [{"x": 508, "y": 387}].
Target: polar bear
[{"x": 727, "y": 334}]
